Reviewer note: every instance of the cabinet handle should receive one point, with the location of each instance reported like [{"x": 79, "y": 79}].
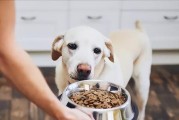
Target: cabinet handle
[
  {"x": 94, "y": 17},
  {"x": 28, "y": 18},
  {"x": 170, "y": 17}
]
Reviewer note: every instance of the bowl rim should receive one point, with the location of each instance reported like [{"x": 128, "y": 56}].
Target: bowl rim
[{"x": 127, "y": 102}]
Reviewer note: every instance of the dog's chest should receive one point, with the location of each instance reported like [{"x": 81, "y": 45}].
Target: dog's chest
[{"x": 112, "y": 73}]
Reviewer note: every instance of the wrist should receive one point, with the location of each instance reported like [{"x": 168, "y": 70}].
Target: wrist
[{"x": 59, "y": 112}]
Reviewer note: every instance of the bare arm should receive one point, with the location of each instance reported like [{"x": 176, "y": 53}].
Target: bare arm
[{"x": 17, "y": 66}]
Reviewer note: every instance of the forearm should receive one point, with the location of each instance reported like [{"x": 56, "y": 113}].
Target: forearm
[
  {"x": 16, "y": 65},
  {"x": 26, "y": 77}
]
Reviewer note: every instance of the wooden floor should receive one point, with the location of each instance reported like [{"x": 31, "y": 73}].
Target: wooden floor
[{"x": 163, "y": 103}]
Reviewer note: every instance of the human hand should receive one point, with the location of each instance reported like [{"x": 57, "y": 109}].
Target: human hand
[{"x": 76, "y": 114}]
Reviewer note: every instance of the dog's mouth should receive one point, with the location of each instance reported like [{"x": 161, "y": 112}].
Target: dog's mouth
[
  {"x": 79, "y": 78},
  {"x": 75, "y": 78}
]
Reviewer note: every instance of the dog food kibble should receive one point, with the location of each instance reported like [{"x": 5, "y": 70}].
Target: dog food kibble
[{"x": 97, "y": 98}]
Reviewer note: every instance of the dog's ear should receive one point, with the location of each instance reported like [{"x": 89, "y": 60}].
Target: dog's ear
[
  {"x": 108, "y": 51},
  {"x": 56, "y": 47}
]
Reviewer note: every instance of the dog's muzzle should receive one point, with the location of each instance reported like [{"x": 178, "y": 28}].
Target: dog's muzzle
[{"x": 83, "y": 71}]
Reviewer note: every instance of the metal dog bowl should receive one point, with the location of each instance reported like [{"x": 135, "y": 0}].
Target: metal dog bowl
[{"x": 122, "y": 112}]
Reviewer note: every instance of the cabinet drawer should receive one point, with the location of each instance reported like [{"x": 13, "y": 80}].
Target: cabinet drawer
[
  {"x": 162, "y": 27},
  {"x": 104, "y": 17},
  {"x": 150, "y": 5},
  {"x": 104, "y": 21},
  {"x": 35, "y": 29},
  {"x": 151, "y": 16}
]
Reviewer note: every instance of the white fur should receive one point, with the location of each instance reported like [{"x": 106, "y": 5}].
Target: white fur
[{"x": 132, "y": 58}]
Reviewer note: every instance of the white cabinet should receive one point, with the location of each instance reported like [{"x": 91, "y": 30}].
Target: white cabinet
[
  {"x": 102, "y": 15},
  {"x": 160, "y": 19},
  {"x": 39, "y": 22}
]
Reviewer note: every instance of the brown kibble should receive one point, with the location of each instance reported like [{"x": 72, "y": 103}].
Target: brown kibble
[
  {"x": 96, "y": 103},
  {"x": 97, "y": 98},
  {"x": 107, "y": 100}
]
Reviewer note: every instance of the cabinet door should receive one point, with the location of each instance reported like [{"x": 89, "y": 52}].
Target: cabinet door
[
  {"x": 36, "y": 28},
  {"x": 103, "y": 15},
  {"x": 162, "y": 27}
]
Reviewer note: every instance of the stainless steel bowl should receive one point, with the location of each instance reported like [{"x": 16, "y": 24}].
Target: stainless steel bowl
[{"x": 122, "y": 112}]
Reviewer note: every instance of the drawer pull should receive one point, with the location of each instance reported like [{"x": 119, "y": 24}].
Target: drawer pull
[
  {"x": 94, "y": 17},
  {"x": 28, "y": 18},
  {"x": 171, "y": 17}
]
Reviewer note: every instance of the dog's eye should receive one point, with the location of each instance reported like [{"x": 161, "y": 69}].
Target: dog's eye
[
  {"x": 97, "y": 50},
  {"x": 72, "y": 46}
]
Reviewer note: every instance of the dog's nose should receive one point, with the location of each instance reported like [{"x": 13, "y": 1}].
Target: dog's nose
[{"x": 84, "y": 71}]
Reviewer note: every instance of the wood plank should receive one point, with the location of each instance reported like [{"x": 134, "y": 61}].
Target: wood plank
[
  {"x": 4, "y": 114},
  {"x": 3, "y": 81},
  {"x": 16, "y": 94},
  {"x": 19, "y": 109},
  {"x": 4, "y": 110},
  {"x": 33, "y": 112},
  {"x": 41, "y": 114},
  {"x": 5, "y": 93}
]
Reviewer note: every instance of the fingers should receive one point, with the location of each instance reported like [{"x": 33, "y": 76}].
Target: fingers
[
  {"x": 85, "y": 115},
  {"x": 90, "y": 114}
]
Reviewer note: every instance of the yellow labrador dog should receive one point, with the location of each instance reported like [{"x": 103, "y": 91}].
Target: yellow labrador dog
[{"x": 84, "y": 53}]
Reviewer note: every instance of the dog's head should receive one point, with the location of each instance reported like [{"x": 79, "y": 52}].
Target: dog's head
[{"x": 81, "y": 49}]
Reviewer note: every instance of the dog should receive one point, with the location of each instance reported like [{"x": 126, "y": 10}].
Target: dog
[{"x": 84, "y": 53}]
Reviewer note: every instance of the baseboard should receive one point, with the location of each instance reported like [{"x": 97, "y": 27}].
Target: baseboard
[
  {"x": 160, "y": 57},
  {"x": 165, "y": 57}
]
